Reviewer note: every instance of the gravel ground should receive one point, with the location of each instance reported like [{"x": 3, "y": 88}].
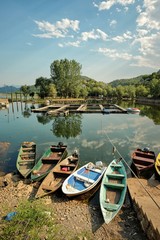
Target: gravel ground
[{"x": 76, "y": 215}]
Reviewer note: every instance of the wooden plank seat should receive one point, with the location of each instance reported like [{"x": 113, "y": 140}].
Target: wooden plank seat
[
  {"x": 114, "y": 185},
  {"x": 61, "y": 171},
  {"x": 116, "y": 165},
  {"x": 143, "y": 159},
  {"x": 83, "y": 178},
  {"x": 26, "y": 161},
  {"x": 111, "y": 206},
  {"x": 50, "y": 159},
  {"x": 27, "y": 149},
  {"x": 47, "y": 187},
  {"x": 116, "y": 176},
  {"x": 94, "y": 169},
  {"x": 145, "y": 154},
  {"x": 67, "y": 165},
  {"x": 27, "y": 154}
]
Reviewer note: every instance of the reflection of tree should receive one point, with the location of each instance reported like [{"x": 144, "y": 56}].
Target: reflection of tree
[
  {"x": 68, "y": 126},
  {"x": 44, "y": 119},
  {"x": 27, "y": 111},
  {"x": 152, "y": 112}
]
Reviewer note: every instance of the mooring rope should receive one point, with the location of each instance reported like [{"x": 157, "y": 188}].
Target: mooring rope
[{"x": 115, "y": 149}]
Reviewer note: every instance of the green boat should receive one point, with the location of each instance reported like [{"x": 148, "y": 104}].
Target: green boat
[
  {"x": 26, "y": 158},
  {"x": 53, "y": 155},
  {"x": 113, "y": 190}
]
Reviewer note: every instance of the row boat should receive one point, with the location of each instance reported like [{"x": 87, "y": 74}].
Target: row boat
[
  {"x": 53, "y": 155},
  {"x": 54, "y": 180},
  {"x": 84, "y": 179},
  {"x": 113, "y": 190},
  {"x": 143, "y": 163},
  {"x": 26, "y": 158}
]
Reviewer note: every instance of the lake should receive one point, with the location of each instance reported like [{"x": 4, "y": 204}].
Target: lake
[{"x": 93, "y": 135}]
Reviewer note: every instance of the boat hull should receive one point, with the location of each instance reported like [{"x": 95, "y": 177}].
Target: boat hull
[
  {"x": 83, "y": 180},
  {"x": 54, "y": 180},
  {"x": 143, "y": 163},
  {"x": 113, "y": 190},
  {"x": 53, "y": 155},
  {"x": 26, "y": 158}
]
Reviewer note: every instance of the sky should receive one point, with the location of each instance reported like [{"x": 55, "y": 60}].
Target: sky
[{"x": 111, "y": 39}]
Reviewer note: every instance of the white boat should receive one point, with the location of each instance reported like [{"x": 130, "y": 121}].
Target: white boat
[
  {"x": 133, "y": 110},
  {"x": 84, "y": 179}
]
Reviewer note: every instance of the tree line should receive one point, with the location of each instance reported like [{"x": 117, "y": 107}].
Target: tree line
[{"x": 66, "y": 81}]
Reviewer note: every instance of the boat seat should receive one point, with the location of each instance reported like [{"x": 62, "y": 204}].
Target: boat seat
[
  {"x": 114, "y": 185},
  {"x": 50, "y": 159},
  {"x": 83, "y": 178},
  {"x": 27, "y": 153},
  {"x": 116, "y": 165},
  {"x": 140, "y": 159},
  {"x": 117, "y": 176},
  {"x": 94, "y": 169},
  {"x": 27, "y": 160},
  {"x": 111, "y": 206}
]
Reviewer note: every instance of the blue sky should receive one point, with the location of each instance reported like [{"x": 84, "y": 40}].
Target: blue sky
[{"x": 111, "y": 39}]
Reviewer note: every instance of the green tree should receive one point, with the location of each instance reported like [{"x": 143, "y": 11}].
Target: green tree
[
  {"x": 52, "y": 90},
  {"x": 43, "y": 85},
  {"x": 141, "y": 91},
  {"x": 25, "y": 91},
  {"x": 155, "y": 88},
  {"x": 66, "y": 77}
]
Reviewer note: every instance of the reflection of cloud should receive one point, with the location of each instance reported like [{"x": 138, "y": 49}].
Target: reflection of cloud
[{"x": 92, "y": 144}]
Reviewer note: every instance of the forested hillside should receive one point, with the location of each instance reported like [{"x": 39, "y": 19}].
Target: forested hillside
[{"x": 142, "y": 79}]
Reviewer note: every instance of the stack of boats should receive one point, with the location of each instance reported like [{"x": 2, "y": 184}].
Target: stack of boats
[{"x": 56, "y": 169}]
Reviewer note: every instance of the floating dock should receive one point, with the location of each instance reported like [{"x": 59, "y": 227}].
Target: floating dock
[
  {"x": 64, "y": 109},
  {"x": 4, "y": 103},
  {"x": 145, "y": 195}
]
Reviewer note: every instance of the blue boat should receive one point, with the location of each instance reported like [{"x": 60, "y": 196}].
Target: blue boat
[{"x": 84, "y": 179}]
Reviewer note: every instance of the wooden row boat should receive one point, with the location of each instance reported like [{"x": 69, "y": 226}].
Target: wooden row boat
[
  {"x": 26, "y": 158},
  {"x": 54, "y": 180},
  {"x": 53, "y": 155},
  {"x": 143, "y": 163},
  {"x": 113, "y": 190},
  {"x": 84, "y": 179}
]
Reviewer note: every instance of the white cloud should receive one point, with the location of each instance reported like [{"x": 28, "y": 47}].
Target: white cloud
[
  {"x": 114, "y": 54},
  {"x": 119, "y": 39},
  {"x": 123, "y": 38},
  {"x": 149, "y": 18},
  {"x": 106, "y": 5},
  {"x": 113, "y": 23},
  {"x": 57, "y": 30},
  {"x": 73, "y": 44},
  {"x": 94, "y": 34}
]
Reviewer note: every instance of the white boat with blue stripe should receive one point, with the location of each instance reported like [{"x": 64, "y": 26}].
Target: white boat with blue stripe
[{"x": 84, "y": 179}]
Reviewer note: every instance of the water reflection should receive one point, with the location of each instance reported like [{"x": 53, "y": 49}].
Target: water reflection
[
  {"x": 67, "y": 126},
  {"x": 87, "y": 132}
]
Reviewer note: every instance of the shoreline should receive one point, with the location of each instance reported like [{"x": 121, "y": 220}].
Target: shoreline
[{"x": 74, "y": 215}]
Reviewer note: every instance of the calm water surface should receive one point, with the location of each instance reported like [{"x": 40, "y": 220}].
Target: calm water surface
[{"x": 91, "y": 134}]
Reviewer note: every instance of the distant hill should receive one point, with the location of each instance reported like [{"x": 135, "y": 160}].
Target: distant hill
[
  {"x": 142, "y": 79},
  {"x": 8, "y": 89}
]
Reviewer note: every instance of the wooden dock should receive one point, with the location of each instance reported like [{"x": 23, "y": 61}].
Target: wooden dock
[
  {"x": 145, "y": 195},
  {"x": 64, "y": 109},
  {"x": 4, "y": 102}
]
